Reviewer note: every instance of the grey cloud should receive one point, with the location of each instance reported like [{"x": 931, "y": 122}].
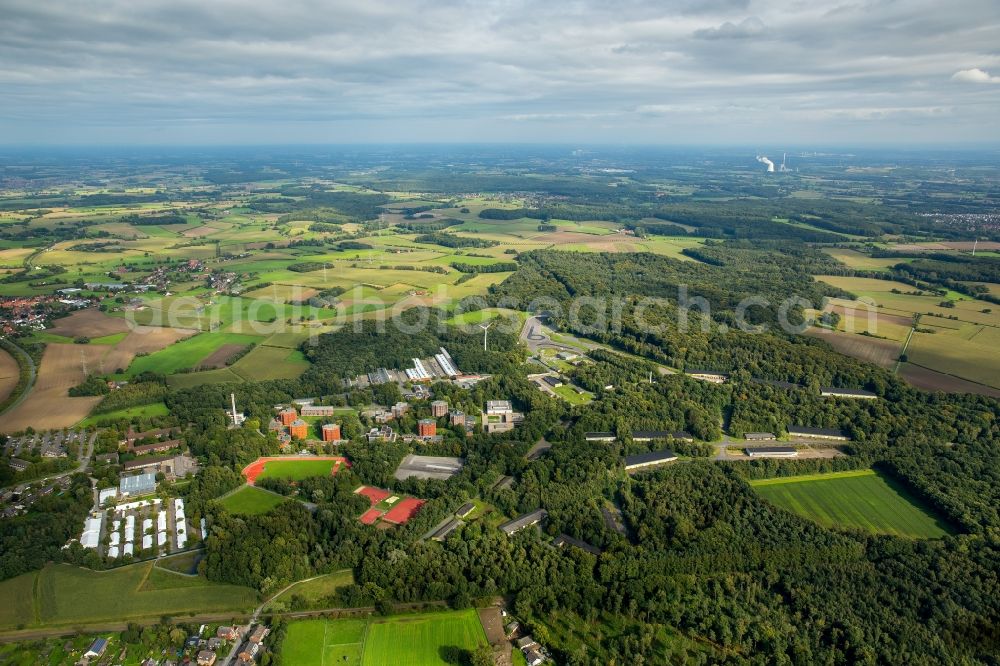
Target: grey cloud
[
  {"x": 748, "y": 27},
  {"x": 300, "y": 70}
]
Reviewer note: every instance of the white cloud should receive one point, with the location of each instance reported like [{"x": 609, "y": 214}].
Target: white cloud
[{"x": 974, "y": 75}]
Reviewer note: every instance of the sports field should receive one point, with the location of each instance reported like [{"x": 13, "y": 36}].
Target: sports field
[
  {"x": 294, "y": 468},
  {"x": 250, "y": 501},
  {"x": 404, "y": 640},
  {"x": 859, "y": 499},
  {"x": 68, "y": 595}
]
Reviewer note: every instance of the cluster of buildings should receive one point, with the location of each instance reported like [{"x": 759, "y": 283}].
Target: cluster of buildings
[
  {"x": 49, "y": 444},
  {"x": 534, "y": 653},
  {"x": 438, "y": 367},
  {"x": 499, "y": 416},
  {"x": 290, "y": 425},
  {"x": 252, "y": 646},
  {"x": 20, "y": 313},
  {"x": 140, "y": 527},
  {"x": 16, "y": 500}
]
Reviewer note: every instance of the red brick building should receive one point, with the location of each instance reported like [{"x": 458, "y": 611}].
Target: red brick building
[
  {"x": 299, "y": 429},
  {"x": 427, "y": 428},
  {"x": 331, "y": 432},
  {"x": 287, "y": 416}
]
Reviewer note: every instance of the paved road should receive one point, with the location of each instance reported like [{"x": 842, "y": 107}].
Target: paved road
[{"x": 32, "y": 374}]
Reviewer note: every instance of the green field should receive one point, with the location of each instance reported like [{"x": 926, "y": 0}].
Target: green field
[
  {"x": 296, "y": 470},
  {"x": 859, "y": 499},
  {"x": 187, "y": 353},
  {"x": 250, "y": 501},
  {"x": 404, "y": 640},
  {"x": 154, "y": 409},
  {"x": 265, "y": 362},
  {"x": 316, "y": 591},
  {"x": 68, "y": 595}
]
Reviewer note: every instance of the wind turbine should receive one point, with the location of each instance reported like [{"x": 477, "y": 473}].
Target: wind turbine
[{"x": 486, "y": 328}]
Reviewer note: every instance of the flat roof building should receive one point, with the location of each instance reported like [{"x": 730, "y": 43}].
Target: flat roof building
[
  {"x": 527, "y": 520},
  {"x": 498, "y": 407},
  {"x": 759, "y": 436},
  {"x": 855, "y": 394},
  {"x": 428, "y": 467},
  {"x": 641, "y": 460},
  {"x": 139, "y": 484},
  {"x": 650, "y": 435},
  {"x": 771, "y": 452},
  {"x": 818, "y": 433},
  {"x": 599, "y": 436}
]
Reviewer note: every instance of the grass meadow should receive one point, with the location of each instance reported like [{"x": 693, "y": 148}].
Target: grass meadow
[
  {"x": 250, "y": 501},
  {"x": 68, "y": 595},
  {"x": 860, "y": 499}
]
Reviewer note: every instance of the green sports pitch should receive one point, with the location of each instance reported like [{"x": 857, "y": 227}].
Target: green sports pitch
[
  {"x": 859, "y": 499},
  {"x": 403, "y": 640},
  {"x": 250, "y": 501}
]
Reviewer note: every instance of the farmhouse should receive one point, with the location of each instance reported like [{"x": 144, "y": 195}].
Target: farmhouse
[
  {"x": 652, "y": 459},
  {"x": 708, "y": 375},
  {"x": 599, "y": 436},
  {"x": 771, "y": 452},
  {"x": 527, "y": 520},
  {"x": 818, "y": 433},
  {"x": 759, "y": 436},
  {"x": 854, "y": 394},
  {"x": 650, "y": 435}
]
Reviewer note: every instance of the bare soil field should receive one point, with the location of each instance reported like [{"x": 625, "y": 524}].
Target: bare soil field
[
  {"x": 874, "y": 350},
  {"x": 48, "y": 405},
  {"x": 142, "y": 340},
  {"x": 9, "y": 374},
  {"x": 90, "y": 322},
  {"x": 218, "y": 358},
  {"x": 945, "y": 245},
  {"x": 603, "y": 243},
  {"x": 932, "y": 380},
  {"x": 197, "y": 232}
]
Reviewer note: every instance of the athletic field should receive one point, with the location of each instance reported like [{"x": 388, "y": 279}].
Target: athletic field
[
  {"x": 860, "y": 499},
  {"x": 403, "y": 640},
  {"x": 293, "y": 468}
]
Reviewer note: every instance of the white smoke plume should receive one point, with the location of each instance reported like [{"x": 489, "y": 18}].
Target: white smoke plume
[{"x": 769, "y": 163}]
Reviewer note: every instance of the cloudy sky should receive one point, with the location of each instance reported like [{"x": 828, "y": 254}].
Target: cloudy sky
[{"x": 620, "y": 71}]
